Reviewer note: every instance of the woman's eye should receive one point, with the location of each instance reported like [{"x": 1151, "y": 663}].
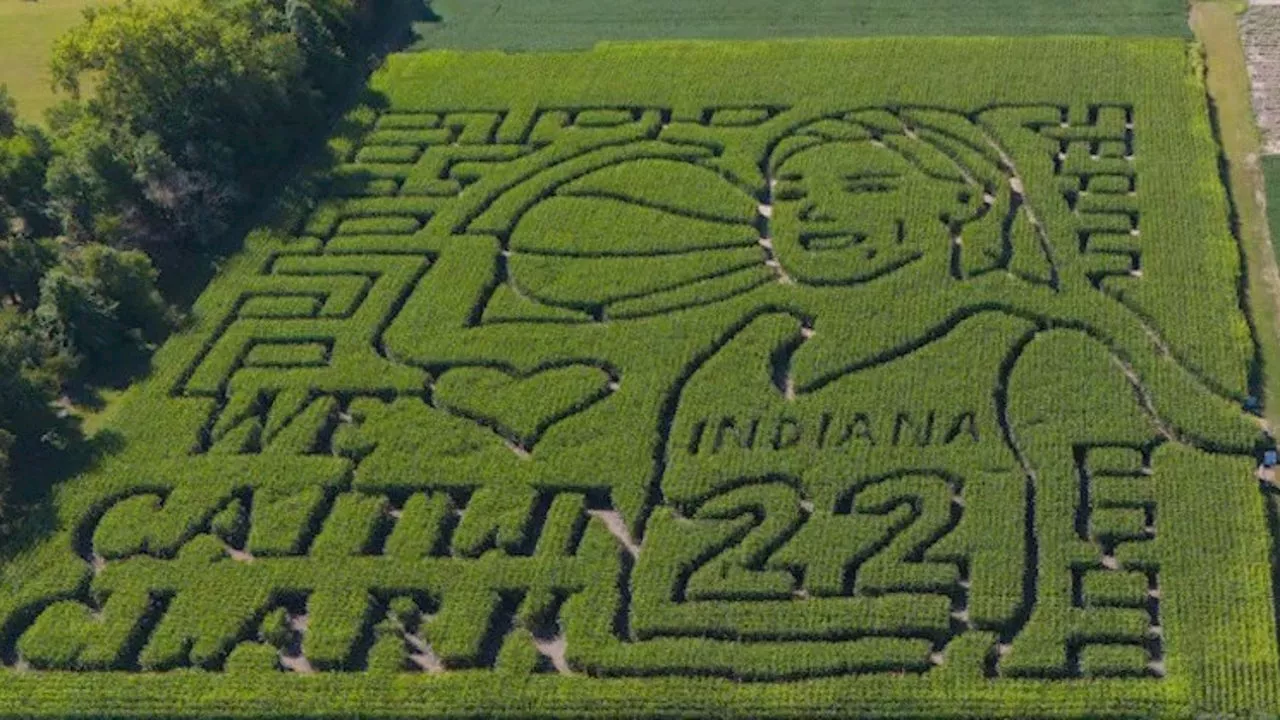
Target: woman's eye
[{"x": 871, "y": 182}]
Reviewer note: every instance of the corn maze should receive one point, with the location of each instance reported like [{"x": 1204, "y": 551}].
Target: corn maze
[{"x": 759, "y": 379}]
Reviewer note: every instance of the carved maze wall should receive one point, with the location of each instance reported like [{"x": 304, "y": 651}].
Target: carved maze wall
[{"x": 795, "y": 402}]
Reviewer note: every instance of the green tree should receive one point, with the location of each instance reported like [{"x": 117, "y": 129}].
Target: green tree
[
  {"x": 24, "y": 159},
  {"x": 212, "y": 80},
  {"x": 100, "y": 300},
  {"x": 27, "y": 391},
  {"x": 23, "y": 262},
  {"x": 25, "y": 153},
  {"x": 6, "y": 447},
  {"x": 127, "y": 279},
  {"x": 76, "y": 317},
  {"x": 90, "y": 187},
  {"x": 196, "y": 107},
  {"x": 324, "y": 55},
  {"x": 8, "y": 112}
]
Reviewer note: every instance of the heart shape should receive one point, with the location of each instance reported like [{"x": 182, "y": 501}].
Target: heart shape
[{"x": 522, "y": 406}]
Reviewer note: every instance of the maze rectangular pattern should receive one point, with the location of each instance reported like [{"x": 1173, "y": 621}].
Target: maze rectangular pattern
[{"x": 868, "y": 383}]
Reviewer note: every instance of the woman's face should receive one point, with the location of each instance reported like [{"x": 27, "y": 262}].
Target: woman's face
[{"x": 846, "y": 212}]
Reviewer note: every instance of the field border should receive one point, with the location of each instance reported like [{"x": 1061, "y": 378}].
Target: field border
[
  {"x": 1231, "y": 109},
  {"x": 1271, "y": 177}
]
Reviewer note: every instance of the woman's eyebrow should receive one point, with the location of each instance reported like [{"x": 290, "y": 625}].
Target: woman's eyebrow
[{"x": 871, "y": 185}]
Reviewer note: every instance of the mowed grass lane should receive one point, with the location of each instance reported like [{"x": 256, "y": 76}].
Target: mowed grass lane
[
  {"x": 1271, "y": 169},
  {"x": 27, "y": 31}
]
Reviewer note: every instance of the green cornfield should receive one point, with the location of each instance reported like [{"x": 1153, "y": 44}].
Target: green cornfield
[
  {"x": 564, "y": 24},
  {"x": 779, "y": 379}
]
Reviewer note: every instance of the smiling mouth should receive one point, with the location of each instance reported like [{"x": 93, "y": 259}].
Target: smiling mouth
[{"x": 864, "y": 187}]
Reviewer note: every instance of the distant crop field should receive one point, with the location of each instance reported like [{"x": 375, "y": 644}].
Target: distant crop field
[
  {"x": 27, "y": 31},
  {"x": 563, "y": 24},
  {"x": 868, "y": 378}
]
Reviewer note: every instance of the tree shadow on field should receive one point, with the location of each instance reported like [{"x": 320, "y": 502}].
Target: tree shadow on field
[
  {"x": 424, "y": 14},
  {"x": 415, "y": 13},
  {"x": 128, "y": 363},
  {"x": 297, "y": 182},
  {"x": 186, "y": 275},
  {"x": 29, "y": 514}
]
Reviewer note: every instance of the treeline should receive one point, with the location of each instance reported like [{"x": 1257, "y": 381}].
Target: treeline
[{"x": 180, "y": 118}]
